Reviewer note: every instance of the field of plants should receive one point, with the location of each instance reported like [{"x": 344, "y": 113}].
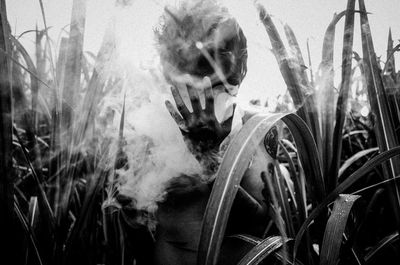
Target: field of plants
[{"x": 337, "y": 202}]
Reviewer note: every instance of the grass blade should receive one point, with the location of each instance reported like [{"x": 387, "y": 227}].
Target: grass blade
[
  {"x": 41, "y": 193},
  {"x": 370, "y": 165},
  {"x": 390, "y": 66},
  {"x": 299, "y": 196},
  {"x": 333, "y": 235},
  {"x": 354, "y": 158},
  {"x": 233, "y": 166},
  {"x": 310, "y": 65},
  {"x": 297, "y": 92},
  {"x": 231, "y": 170},
  {"x": 341, "y": 106},
  {"x": 29, "y": 120},
  {"x": 384, "y": 130},
  {"x": 28, "y": 231},
  {"x": 74, "y": 55},
  {"x": 325, "y": 82},
  {"x": 381, "y": 245},
  {"x": 303, "y": 101},
  {"x": 295, "y": 48},
  {"x": 262, "y": 250},
  {"x": 309, "y": 161}
]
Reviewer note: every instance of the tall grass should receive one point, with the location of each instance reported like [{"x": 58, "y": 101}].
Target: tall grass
[
  {"x": 334, "y": 231},
  {"x": 340, "y": 185}
]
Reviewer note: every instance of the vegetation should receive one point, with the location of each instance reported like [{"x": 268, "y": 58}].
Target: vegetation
[{"x": 340, "y": 204}]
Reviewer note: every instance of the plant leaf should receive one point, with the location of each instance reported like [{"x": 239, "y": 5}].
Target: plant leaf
[
  {"x": 262, "y": 250},
  {"x": 381, "y": 245},
  {"x": 355, "y": 157},
  {"x": 234, "y": 165},
  {"x": 371, "y": 164},
  {"x": 334, "y": 230},
  {"x": 341, "y": 105},
  {"x": 229, "y": 175},
  {"x": 73, "y": 66},
  {"x": 384, "y": 130}
]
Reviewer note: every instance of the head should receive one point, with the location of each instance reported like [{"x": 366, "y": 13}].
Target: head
[{"x": 201, "y": 39}]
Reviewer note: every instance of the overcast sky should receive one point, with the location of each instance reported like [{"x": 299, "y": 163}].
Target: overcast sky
[{"x": 308, "y": 19}]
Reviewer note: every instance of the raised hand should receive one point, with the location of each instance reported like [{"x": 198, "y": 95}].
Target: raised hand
[{"x": 200, "y": 126}]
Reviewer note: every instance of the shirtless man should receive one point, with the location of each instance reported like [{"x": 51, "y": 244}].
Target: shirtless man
[{"x": 204, "y": 55}]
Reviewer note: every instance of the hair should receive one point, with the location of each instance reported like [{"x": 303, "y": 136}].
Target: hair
[{"x": 209, "y": 24}]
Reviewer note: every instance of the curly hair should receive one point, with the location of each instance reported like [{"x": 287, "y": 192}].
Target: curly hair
[{"x": 196, "y": 38}]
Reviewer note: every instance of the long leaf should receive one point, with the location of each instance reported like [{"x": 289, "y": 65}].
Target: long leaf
[
  {"x": 371, "y": 164},
  {"x": 25, "y": 225},
  {"x": 333, "y": 236},
  {"x": 310, "y": 65},
  {"x": 309, "y": 161},
  {"x": 384, "y": 130},
  {"x": 299, "y": 196},
  {"x": 354, "y": 158},
  {"x": 95, "y": 85},
  {"x": 41, "y": 193},
  {"x": 390, "y": 66},
  {"x": 326, "y": 92},
  {"x": 301, "y": 95},
  {"x": 74, "y": 55},
  {"x": 341, "y": 107},
  {"x": 295, "y": 48},
  {"x": 390, "y": 239},
  {"x": 262, "y": 250},
  {"x": 234, "y": 165},
  {"x": 30, "y": 120}
]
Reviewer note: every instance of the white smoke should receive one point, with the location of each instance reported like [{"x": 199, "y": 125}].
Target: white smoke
[
  {"x": 155, "y": 149},
  {"x": 154, "y": 146}
]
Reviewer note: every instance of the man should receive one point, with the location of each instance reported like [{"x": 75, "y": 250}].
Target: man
[{"x": 203, "y": 53}]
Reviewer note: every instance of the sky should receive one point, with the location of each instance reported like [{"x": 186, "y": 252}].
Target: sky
[{"x": 307, "y": 18}]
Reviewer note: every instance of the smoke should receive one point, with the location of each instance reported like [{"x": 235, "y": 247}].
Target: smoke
[
  {"x": 152, "y": 142},
  {"x": 154, "y": 147},
  {"x": 156, "y": 153}
]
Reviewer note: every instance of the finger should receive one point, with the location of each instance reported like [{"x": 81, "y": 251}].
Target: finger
[
  {"x": 175, "y": 115},
  {"x": 180, "y": 104},
  {"x": 194, "y": 99},
  {"x": 208, "y": 92}
]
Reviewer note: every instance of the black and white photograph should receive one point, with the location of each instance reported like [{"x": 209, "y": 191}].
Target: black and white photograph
[{"x": 199, "y": 132}]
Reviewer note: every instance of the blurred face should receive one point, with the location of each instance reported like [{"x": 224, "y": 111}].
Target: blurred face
[{"x": 217, "y": 51}]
